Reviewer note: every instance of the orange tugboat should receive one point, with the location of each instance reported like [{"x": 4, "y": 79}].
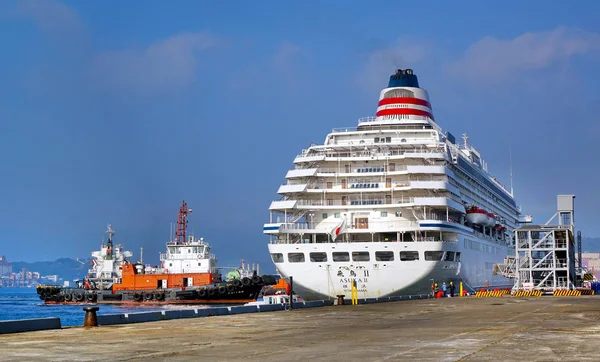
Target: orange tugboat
[{"x": 188, "y": 275}]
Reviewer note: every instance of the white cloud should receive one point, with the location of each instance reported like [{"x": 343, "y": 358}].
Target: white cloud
[
  {"x": 405, "y": 53},
  {"x": 493, "y": 60},
  {"x": 164, "y": 66},
  {"x": 287, "y": 55},
  {"x": 53, "y": 18}
]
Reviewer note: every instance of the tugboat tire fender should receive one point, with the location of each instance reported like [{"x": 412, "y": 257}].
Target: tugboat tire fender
[
  {"x": 79, "y": 297},
  {"x": 230, "y": 288},
  {"x": 246, "y": 281},
  {"x": 256, "y": 279},
  {"x": 148, "y": 296},
  {"x": 222, "y": 289},
  {"x": 68, "y": 297},
  {"x": 202, "y": 293},
  {"x": 137, "y": 296},
  {"x": 159, "y": 295}
]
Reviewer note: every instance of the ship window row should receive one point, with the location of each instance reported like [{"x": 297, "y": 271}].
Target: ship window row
[
  {"x": 374, "y": 169},
  {"x": 477, "y": 246},
  {"x": 363, "y": 256},
  {"x": 474, "y": 175}
]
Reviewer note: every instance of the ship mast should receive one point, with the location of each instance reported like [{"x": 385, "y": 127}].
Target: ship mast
[
  {"x": 109, "y": 244},
  {"x": 182, "y": 224}
]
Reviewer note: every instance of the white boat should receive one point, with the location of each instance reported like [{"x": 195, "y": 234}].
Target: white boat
[
  {"x": 106, "y": 264},
  {"x": 384, "y": 204}
]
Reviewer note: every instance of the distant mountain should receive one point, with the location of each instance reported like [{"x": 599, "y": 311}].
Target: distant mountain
[
  {"x": 591, "y": 245},
  {"x": 65, "y": 268}
]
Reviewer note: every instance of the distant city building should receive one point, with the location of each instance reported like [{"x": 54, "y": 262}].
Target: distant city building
[
  {"x": 10, "y": 279},
  {"x": 5, "y": 266}
]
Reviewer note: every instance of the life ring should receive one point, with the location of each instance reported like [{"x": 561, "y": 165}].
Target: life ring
[
  {"x": 137, "y": 296},
  {"x": 79, "y": 297},
  {"x": 246, "y": 281},
  {"x": 148, "y": 296}
]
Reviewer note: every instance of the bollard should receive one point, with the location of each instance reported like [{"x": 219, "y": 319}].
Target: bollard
[
  {"x": 90, "y": 317},
  {"x": 340, "y": 299}
]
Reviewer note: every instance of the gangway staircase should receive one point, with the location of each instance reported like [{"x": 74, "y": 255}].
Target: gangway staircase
[{"x": 506, "y": 269}]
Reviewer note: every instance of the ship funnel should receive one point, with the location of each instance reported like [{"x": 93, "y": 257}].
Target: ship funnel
[{"x": 404, "y": 78}]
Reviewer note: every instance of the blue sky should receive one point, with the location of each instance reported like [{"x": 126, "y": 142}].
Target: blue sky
[{"x": 113, "y": 112}]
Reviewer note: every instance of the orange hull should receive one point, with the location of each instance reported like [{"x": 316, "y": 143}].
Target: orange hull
[{"x": 132, "y": 281}]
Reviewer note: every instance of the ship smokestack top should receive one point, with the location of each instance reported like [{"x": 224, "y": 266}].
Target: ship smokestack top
[{"x": 403, "y": 78}]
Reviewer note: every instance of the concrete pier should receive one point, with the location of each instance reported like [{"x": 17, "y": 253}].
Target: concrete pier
[{"x": 476, "y": 329}]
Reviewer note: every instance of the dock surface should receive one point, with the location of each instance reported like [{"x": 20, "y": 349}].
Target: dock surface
[{"x": 449, "y": 329}]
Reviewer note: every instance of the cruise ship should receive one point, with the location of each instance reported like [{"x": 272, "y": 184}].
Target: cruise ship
[{"x": 392, "y": 206}]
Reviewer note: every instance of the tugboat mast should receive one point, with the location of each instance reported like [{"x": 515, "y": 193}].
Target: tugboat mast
[{"x": 180, "y": 234}]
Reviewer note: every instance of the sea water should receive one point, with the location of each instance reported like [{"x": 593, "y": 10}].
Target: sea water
[{"x": 25, "y": 303}]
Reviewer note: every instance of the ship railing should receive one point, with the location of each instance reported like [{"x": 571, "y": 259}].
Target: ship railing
[
  {"x": 358, "y": 153},
  {"x": 363, "y": 170},
  {"x": 357, "y": 201},
  {"x": 191, "y": 256},
  {"x": 304, "y": 240},
  {"x": 386, "y": 126},
  {"x": 329, "y": 225},
  {"x": 441, "y": 217},
  {"x": 365, "y": 185}
]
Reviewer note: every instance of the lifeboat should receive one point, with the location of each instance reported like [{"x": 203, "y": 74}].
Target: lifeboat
[
  {"x": 491, "y": 219},
  {"x": 476, "y": 215}
]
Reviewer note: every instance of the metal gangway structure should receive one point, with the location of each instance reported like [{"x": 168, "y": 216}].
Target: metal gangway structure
[{"x": 545, "y": 254}]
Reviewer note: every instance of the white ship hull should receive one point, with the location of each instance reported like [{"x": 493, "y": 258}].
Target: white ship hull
[{"x": 327, "y": 280}]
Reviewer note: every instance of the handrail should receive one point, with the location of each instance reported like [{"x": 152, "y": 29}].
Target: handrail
[{"x": 368, "y": 153}]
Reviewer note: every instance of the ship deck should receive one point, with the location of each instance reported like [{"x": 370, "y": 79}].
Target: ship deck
[{"x": 481, "y": 329}]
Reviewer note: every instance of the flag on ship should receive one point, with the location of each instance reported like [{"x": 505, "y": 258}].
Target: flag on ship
[{"x": 338, "y": 229}]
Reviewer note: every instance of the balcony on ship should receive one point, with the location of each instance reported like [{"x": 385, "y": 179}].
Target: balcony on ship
[
  {"x": 358, "y": 153},
  {"x": 380, "y": 170}
]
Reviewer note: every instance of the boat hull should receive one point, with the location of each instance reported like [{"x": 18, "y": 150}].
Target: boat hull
[
  {"x": 223, "y": 293},
  {"x": 374, "y": 278},
  {"x": 477, "y": 218}
]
